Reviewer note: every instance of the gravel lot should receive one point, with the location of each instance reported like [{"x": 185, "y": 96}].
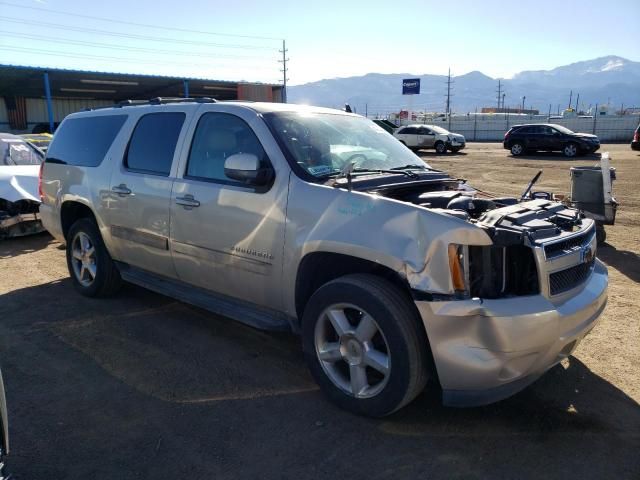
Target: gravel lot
[{"x": 142, "y": 386}]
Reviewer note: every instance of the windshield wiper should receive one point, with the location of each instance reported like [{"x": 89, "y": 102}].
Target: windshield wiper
[
  {"x": 408, "y": 173},
  {"x": 412, "y": 166}
]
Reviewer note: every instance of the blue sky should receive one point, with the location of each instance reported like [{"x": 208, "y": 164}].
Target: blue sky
[{"x": 333, "y": 38}]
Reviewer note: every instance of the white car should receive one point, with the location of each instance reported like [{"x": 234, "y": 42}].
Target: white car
[
  {"x": 19, "y": 199},
  {"x": 417, "y": 137}
]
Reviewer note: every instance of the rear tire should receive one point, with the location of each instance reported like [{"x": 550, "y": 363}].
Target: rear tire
[
  {"x": 517, "y": 149},
  {"x": 364, "y": 344},
  {"x": 93, "y": 272},
  {"x": 441, "y": 148}
]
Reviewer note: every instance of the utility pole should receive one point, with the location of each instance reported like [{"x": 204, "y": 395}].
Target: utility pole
[
  {"x": 570, "y": 97},
  {"x": 499, "y": 93},
  {"x": 366, "y": 110},
  {"x": 449, "y": 82},
  {"x": 503, "y": 95},
  {"x": 577, "y": 102},
  {"x": 284, "y": 71},
  {"x": 523, "y": 99}
]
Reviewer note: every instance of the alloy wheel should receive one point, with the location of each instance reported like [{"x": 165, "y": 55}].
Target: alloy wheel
[
  {"x": 83, "y": 259},
  {"x": 352, "y": 350}
]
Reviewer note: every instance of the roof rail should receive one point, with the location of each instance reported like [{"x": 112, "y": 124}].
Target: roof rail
[{"x": 155, "y": 101}]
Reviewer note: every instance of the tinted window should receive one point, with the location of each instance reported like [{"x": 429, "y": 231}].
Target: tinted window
[
  {"x": 153, "y": 143},
  {"x": 425, "y": 131},
  {"x": 218, "y": 136},
  {"x": 84, "y": 141},
  {"x": 409, "y": 131}
]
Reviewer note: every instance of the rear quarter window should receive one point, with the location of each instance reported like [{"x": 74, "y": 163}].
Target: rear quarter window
[{"x": 84, "y": 141}]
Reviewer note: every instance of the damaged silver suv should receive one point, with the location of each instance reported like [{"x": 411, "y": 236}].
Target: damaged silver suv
[{"x": 318, "y": 221}]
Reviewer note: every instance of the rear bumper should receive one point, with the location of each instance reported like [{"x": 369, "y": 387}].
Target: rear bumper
[
  {"x": 635, "y": 145},
  {"x": 487, "y": 350},
  {"x": 51, "y": 221}
]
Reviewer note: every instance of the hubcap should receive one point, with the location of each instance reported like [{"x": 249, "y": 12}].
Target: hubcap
[
  {"x": 352, "y": 350},
  {"x": 83, "y": 259},
  {"x": 516, "y": 149},
  {"x": 570, "y": 150}
]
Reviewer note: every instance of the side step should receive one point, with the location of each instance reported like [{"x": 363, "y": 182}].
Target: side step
[{"x": 244, "y": 312}]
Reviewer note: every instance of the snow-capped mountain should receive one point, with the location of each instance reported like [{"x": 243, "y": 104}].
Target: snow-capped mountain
[{"x": 606, "y": 79}]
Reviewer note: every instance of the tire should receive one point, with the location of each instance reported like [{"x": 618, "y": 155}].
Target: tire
[
  {"x": 570, "y": 150},
  {"x": 440, "y": 148},
  {"x": 84, "y": 249},
  {"x": 390, "y": 335},
  {"x": 601, "y": 234},
  {"x": 517, "y": 149}
]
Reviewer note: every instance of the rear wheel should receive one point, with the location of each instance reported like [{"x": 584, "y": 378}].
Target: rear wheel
[
  {"x": 517, "y": 149},
  {"x": 441, "y": 147},
  {"x": 570, "y": 150},
  {"x": 364, "y": 345},
  {"x": 91, "y": 268}
]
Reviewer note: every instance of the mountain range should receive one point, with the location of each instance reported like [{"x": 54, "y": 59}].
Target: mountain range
[{"x": 611, "y": 79}]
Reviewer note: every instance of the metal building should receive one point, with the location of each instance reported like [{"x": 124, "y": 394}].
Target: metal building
[{"x": 39, "y": 98}]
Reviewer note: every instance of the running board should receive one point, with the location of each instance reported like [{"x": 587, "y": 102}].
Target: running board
[{"x": 243, "y": 312}]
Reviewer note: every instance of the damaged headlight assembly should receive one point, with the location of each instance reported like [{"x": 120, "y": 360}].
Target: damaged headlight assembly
[{"x": 492, "y": 271}]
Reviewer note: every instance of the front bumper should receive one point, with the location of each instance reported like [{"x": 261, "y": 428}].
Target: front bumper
[{"x": 487, "y": 350}]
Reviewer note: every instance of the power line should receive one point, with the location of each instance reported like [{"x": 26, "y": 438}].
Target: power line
[
  {"x": 135, "y": 24},
  {"x": 120, "y": 47},
  {"x": 54, "y": 53},
  {"x": 134, "y": 36}
]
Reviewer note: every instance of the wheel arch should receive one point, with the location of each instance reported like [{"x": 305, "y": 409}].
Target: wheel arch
[{"x": 72, "y": 211}]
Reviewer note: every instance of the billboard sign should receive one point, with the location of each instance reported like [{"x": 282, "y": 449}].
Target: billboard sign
[{"x": 411, "y": 86}]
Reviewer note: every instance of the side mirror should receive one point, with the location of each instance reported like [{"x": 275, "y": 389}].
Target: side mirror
[{"x": 245, "y": 167}]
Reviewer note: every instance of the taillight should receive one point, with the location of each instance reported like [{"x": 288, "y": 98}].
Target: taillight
[
  {"x": 40, "y": 192},
  {"x": 636, "y": 137},
  {"x": 506, "y": 135}
]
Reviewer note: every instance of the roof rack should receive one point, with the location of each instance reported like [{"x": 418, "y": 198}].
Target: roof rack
[{"x": 155, "y": 101}]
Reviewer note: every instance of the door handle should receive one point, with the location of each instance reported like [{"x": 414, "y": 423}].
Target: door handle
[
  {"x": 121, "y": 189},
  {"x": 187, "y": 201}
]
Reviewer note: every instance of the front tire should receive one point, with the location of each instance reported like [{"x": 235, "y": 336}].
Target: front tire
[
  {"x": 365, "y": 345},
  {"x": 517, "y": 149},
  {"x": 91, "y": 268},
  {"x": 441, "y": 148},
  {"x": 570, "y": 150}
]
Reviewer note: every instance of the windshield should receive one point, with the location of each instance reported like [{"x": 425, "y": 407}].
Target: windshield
[
  {"x": 323, "y": 143},
  {"x": 440, "y": 130},
  {"x": 14, "y": 151},
  {"x": 562, "y": 129}
]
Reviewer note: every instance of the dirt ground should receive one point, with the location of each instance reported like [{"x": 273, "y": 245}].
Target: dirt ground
[{"x": 142, "y": 386}]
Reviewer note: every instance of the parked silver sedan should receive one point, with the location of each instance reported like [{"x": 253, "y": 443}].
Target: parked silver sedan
[{"x": 418, "y": 137}]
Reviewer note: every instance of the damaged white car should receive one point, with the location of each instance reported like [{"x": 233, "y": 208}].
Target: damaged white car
[
  {"x": 19, "y": 200},
  {"x": 319, "y": 221}
]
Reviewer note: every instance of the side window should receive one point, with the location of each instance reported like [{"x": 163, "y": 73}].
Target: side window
[
  {"x": 153, "y": 143},
  {"x": 425, "y": 131},
  {"x": 217, "y": 137},
  {"x": 84, "y": 141},
  {"x": 409, "y": 131}
]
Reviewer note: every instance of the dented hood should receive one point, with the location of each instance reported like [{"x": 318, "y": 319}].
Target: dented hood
[{"x": 19, "y": 182}]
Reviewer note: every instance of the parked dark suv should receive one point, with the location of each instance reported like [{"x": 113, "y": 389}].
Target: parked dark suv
[
  {"x": 549, "y": 137},
  {"x": 635, "y": 143}
]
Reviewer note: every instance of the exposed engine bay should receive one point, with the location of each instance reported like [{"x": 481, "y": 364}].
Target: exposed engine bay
[{"x": 515, "y": 225}]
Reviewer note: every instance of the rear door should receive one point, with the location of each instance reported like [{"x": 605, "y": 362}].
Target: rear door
[
  {"x": 227, "y": 236},
  {"x": 139, "y": 198}
]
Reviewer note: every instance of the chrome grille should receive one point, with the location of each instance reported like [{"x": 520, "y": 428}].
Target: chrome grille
[
  {"x": 565, "y": 280},
  {"x": 569, "y": 245}
]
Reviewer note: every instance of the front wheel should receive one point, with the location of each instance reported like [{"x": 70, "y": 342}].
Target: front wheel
[
  {"x": 441, "y": 148},
  {"x": 570, "y": 150},
  {"x": 517, "y": 149},
  {"x": 91, "y": 268},
  {"x": 365, "y": 345}
]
